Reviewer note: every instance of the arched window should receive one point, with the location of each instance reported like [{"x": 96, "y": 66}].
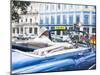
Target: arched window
[
  {"x": 30, "y": 30},
  {"x": 71, "y": 20},
  {"x": 77, "y": 19},
  {"x": 59, "y": 7},
  {"x": 17, "y": 30},
  {"x": 64, "y": 19},
  {"x": 58, "y": 19},
  {"x": 30, "y": 20},
  {"x": 52, "y": 19},
  {"x": 35, "y": 30},
  {"x": 21, "y": 30},
  {"x": 94, "y": 20},
  {"x": 13, "y": 30},
  {"x": 41, "y": 21},
  {"x": 26, "y": 19},
  {"x": 86, "y": 19},
  {"x": 46, "y": 20}
]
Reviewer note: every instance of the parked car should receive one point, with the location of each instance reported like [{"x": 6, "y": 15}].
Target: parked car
[
  {"x": 32, "y": 36},
  {"x": 26, "y": 36},
  {"x": 20, "y": 36}
]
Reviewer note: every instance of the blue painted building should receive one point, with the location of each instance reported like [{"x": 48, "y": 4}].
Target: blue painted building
[
  {"x": 51, "y": 15},
  {"x": 56, "y": 14}
]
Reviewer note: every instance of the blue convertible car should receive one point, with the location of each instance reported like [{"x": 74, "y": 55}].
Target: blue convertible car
[{"x": 57, "y": 57}]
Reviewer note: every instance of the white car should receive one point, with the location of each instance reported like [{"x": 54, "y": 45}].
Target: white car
[
  {"x": 20, "y": 36},
  {"x": 32, "y": 36},
  {"x": 26, "y": 36},
  {"x": 23, "y": 36}
]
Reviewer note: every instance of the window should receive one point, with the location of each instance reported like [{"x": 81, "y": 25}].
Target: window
[
  {"x": 13, "y": 30},
  {"x": 94, "y": 20},
  {"x": 17, "y": 30},
  {"x": 66, "y": 28},
  {"x": 41, "y": 21},
  {"x": 77, "y": 19},
  {"x": 70, "y": 20},
  {"x": 86, "y": 6},
  {"x": 77, "y": 6},
  {"x": 52, "y": 7},
  {"x": 86, "y": 19},
  {"x": 30, "y": 20},
  {"x": 64, "y": 19},
  {"x": 46, "y": 20},
  {"x": 86, "y": 29},
  {"x": 93, "y": 30},
  {"x": 86, "y": 12},
  {"x": 94, "y": 7},
  {"x": 59, "y": 7},
  {"x": 47, "y": 27},
  {"x": 58, "y": 19},
  {"x": 70, "y": 28},
  {"x": 58, "y": 32},
  {"x": 41, "y": 7},
  {"x": 31, "y": 7},
  {"x": 65, "y": 6},
  {"x": 70, "y": 6},
  {"x": 21, "y": 30},
  {"x": 46, "y": 7},
  {"x": 30, "y": 30},
  {"x": 35, "y": 30},
  {"x": 52, "y": 28},
  {"x": 26, "y": 19},
  {"x": 18, "y": 21},
  {"x": 52, "y": 20}
]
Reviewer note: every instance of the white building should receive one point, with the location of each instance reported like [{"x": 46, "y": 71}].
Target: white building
[
  {"x": 52, "y": 14},
  {"x": 28, "y": 23}
]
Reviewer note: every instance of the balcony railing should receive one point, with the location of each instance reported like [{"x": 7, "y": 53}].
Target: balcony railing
[{"x": 22, "y": 24}]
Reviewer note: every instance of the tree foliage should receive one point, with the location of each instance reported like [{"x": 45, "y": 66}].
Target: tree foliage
[{"x": 16, "y": 6}]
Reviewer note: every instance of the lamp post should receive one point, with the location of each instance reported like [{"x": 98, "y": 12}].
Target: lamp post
[
  {"x": 79, "y": 25},
  {"x": 76, "y": 27}
]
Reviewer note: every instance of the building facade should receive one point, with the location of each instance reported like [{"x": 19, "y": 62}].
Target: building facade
[
  {"x": 67, "y": 15},
  {"x": 52, "y": 14},
  {"x": 28, "y": 23}
]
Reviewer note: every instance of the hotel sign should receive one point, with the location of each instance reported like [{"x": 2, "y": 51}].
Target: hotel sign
[{"x": 60, "y": 27}]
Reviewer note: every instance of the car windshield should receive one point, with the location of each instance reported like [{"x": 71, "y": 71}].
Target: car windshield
[{"x": 69, "y": 36}]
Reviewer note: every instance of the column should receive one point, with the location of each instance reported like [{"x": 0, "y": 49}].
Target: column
[
  {"x": 61, "y": 33},
  {"x": 90, "y": 31},
  {"x": 55, "y": 32},
  {"x": 32, "y": 30},
  {"x": 27, "y": 30},
  {"x": 38, "y": 28},
  {"x": 23, "y": 30},
  {"x": 60, "y": 18},
  {"x": 90, "y": 18},
  {"x": 15, "y": 31},
  {"x": 49, "y": 27},
  {"x": 81, "y": 28}
]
